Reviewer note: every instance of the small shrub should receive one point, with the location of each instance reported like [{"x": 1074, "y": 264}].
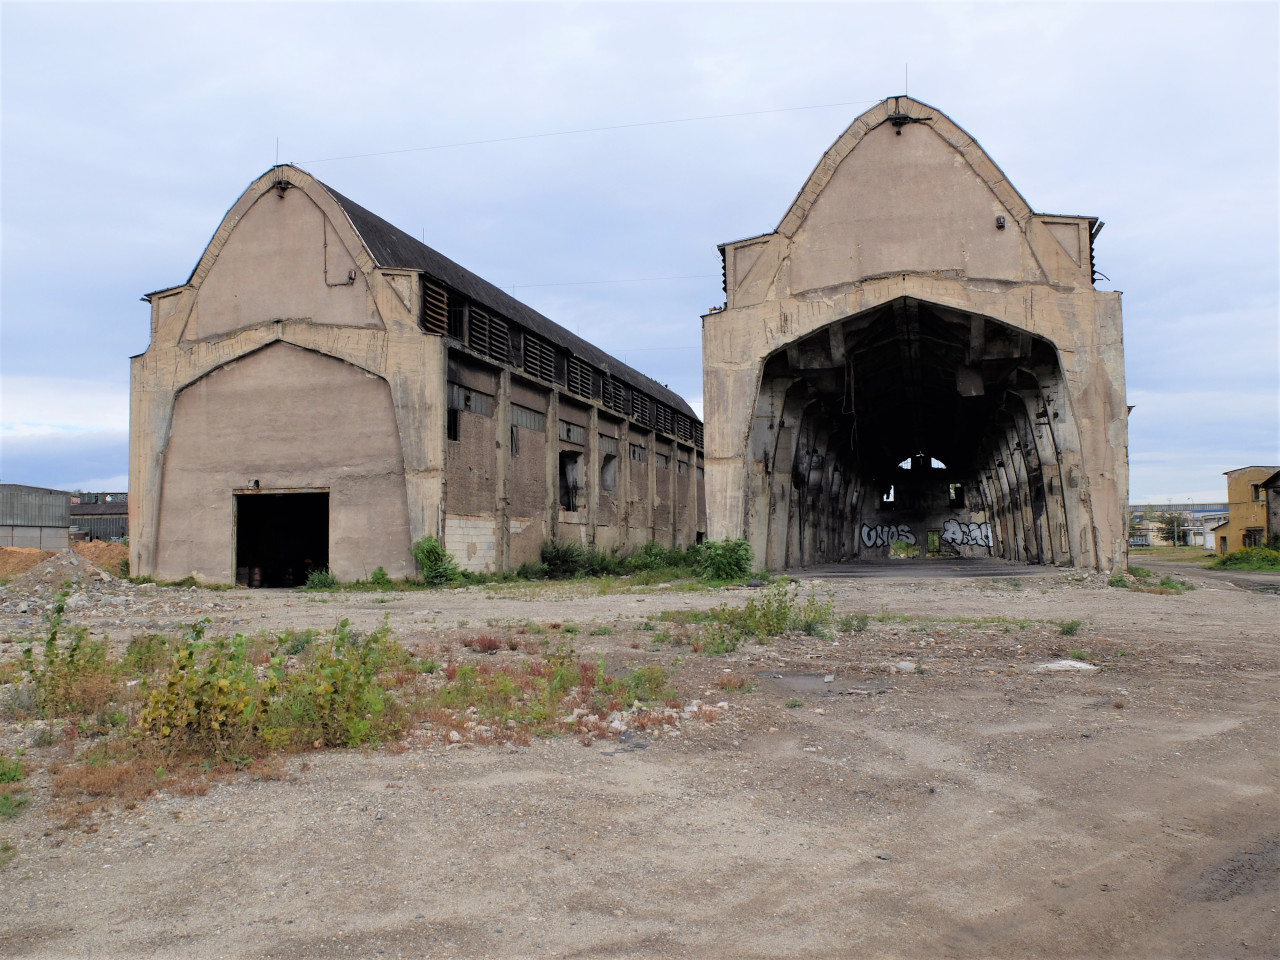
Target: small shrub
[
  {"x": 1078, "y": 654},
  {"x": 813, "y": 617},
  {"x": 1118, "y": 580},
  {"x": 563, "y": 559},
  {"x": 11, "y": 768},
  {"x": 793, "y": 703},
  {"x": 600, "y": 632},
  {"x": 72, "y": 679},
  {"x": 1142, "y": 573},
  {"x": 645, "y": 684},
  {"x": 725, "y": 560},
  {"x": 1250, "y": 558},
  {"x": 122, "y": 569},
  {"x": 11, "y": 804},
  {"x": 854, "y": 622},
  {"x": 321, "y": 580},
  {"x": 1069, "y": 628},
  {"x": 435, "y": 564},
  {"x": 379, "y": 577},
  {"x": 532, "y": 571}
]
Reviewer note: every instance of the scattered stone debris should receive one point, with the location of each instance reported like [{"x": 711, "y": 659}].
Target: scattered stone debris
[{"x": 1066, "y": 666}]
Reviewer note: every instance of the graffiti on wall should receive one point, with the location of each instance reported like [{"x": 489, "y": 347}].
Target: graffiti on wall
[
  {"x": 884, "y": 534},
  {"x": 966, "y": 534}
]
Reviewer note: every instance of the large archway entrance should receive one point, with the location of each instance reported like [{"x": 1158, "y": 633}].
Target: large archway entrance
[{"x": 913, "y": 428}]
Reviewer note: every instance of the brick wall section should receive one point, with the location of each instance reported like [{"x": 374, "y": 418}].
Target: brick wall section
[{"x": 472, "y": 541}]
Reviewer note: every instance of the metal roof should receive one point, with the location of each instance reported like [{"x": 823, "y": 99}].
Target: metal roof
[{"x": 392, "y": 247}]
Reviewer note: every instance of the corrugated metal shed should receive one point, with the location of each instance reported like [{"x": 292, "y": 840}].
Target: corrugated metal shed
[{"x": 23, "y": 506}]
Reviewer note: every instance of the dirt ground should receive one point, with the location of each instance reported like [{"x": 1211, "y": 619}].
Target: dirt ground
[{"x": 921, "y": 788}]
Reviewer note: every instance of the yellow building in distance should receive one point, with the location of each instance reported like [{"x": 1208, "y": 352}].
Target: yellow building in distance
[{"x": 1246, "y": 524}]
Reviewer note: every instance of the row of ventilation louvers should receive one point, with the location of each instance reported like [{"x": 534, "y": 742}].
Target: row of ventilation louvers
[{"x": 495, "y": 337}]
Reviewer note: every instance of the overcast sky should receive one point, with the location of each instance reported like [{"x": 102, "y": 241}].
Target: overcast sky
[{"x": 129, "y": 129}]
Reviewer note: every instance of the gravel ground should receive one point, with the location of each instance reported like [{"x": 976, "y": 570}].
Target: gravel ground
[{"x": 920, "y": 788}]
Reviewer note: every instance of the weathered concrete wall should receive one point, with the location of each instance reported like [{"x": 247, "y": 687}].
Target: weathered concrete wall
[
  {"x": 906, "y": 209},
  {"x": 284, "y": 419},
  {"x": 193, "y": 335}
]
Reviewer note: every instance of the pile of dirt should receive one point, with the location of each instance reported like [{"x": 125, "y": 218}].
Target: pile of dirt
[
  {"x": 105, "y": 553},
  {"x": 49, "y": 574},
  {"x": 18, "y": 560}
]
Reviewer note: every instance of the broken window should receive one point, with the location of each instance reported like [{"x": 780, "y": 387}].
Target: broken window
[
  {"x": 528, "y": 418},
  {"x": 472, "y": 401},
  {"x": 682, "y": 467},
  {"x": 609, "y": 472},
  {"x": 608, "y": 462},
  {"x": 570, "y": 480},
  {"x": 572, "y": 433},
  {"x": 1255, "y": 491},
  {"x": 452, "y": 428},
  {"x": 515, "y": 440},
  {"x": 955, "y": 494},
  {"x": 638, "y": 453},
  {"x": 662, "y": 460}
]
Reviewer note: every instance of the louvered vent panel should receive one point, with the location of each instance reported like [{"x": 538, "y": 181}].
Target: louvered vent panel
[
  {"x": 579, "y": 379},
  {"x": 539, "y": 358},
  {"x": 435, "y": 309},
  {"x": 612, "y": 396},
  {"x": 663, "y": 418},
  {"x": 684, "y": 429},
  {"x": 640, "y": 409},
  {"x": 499, "y": 347},
  {"x": 478, "y": 331}
]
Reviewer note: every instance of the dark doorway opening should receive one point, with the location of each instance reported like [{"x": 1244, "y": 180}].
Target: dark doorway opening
[{"x": 280, "y": 538}]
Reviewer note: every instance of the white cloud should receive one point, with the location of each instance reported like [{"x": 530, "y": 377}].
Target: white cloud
[{"x": 36, "y": 406}]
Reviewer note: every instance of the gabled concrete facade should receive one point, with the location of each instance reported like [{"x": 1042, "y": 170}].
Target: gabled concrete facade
[
  {"x": 325, "y": 390},
  {"x": 914, "y": 354}
]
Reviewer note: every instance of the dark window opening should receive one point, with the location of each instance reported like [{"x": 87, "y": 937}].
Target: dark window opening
[
  {"x": 956, "y": 494},
  {"x": 570, "y": 480},
  {"x": 515, "y": 440},
  {"x": 452, "y": 427},
  {"x": 638, "y": 453},
  {"x": 280, "y": 538}
]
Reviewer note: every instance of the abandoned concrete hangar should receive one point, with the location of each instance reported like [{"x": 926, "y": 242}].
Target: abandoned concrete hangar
[
  {"x": 324, "y": 390},
  {"x": 914, "y": 354}
]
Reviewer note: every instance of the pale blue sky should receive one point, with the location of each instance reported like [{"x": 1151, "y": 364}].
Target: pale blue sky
[{"x": 128, "y": 129}]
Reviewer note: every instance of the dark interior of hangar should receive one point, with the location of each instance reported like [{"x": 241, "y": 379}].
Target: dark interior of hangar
[
  {"x": 280, "y": 538},
  {"x": 916, "y": 424}
]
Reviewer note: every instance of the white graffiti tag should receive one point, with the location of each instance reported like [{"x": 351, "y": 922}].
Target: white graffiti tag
[
  {"x": 884, "y": 534},
  {"x": 967, "y": 534}
]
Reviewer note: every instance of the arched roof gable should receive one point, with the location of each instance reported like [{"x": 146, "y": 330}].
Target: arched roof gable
[{"x": 903, "y": 110}]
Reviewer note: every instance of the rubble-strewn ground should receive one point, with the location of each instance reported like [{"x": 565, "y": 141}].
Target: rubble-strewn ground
[{"x": 914, "y": 789}]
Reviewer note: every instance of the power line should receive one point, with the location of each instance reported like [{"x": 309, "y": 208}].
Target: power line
[
  {"x": 570, "y": 133},
  {"x": 585, "y": 283}
]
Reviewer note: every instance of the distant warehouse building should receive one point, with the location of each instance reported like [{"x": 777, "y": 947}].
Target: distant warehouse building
[
  {"x": 324, "y": 390},
  {"x": 100, "y": 516},
  {"x": 34, "y": 517}
]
